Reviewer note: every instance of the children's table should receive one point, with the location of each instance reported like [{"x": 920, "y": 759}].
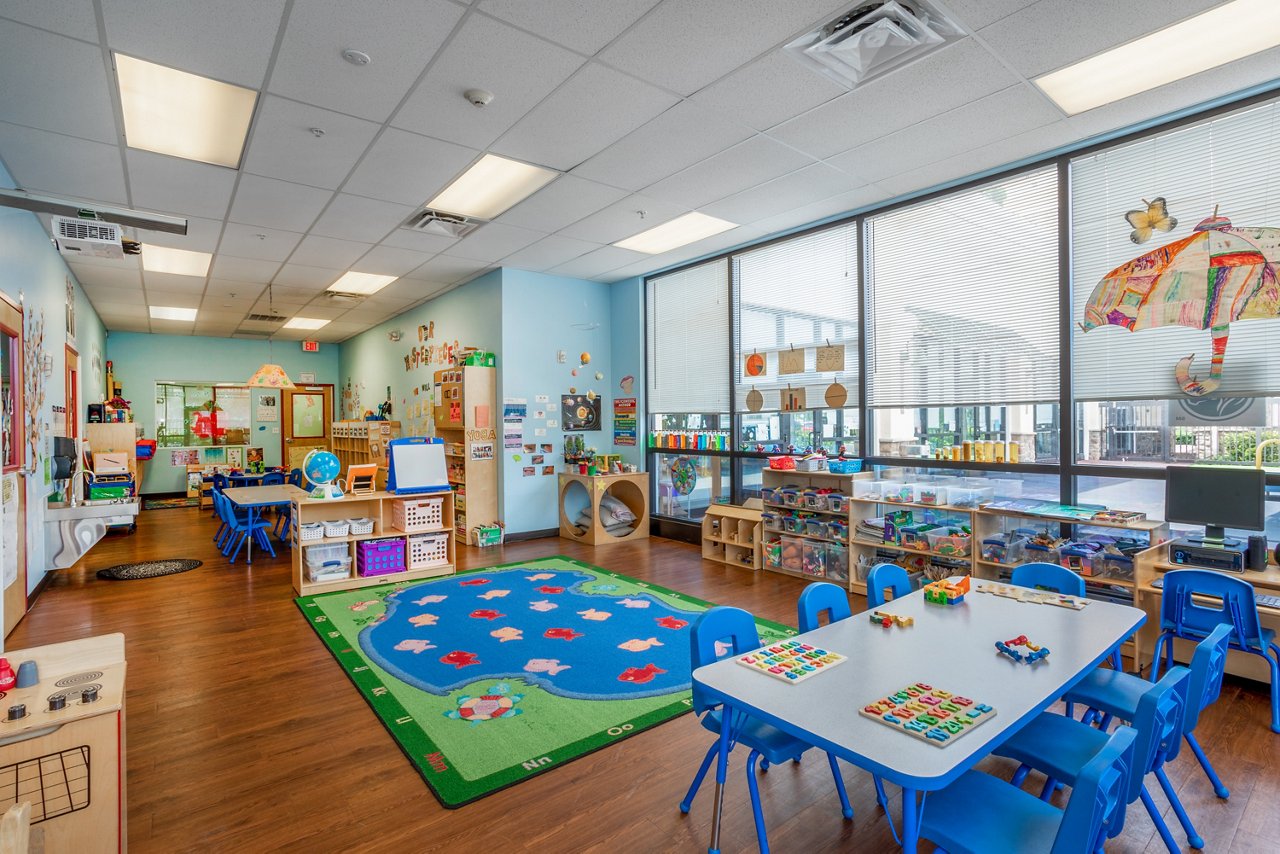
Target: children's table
[{"x": 254, "y": 498}]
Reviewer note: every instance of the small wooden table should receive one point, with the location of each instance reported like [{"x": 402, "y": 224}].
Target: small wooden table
[
  {"x": 631, "y": 489},
  {"x": 252, "y": 498}
]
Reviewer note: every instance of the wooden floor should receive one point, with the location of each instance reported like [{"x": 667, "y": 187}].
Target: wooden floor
[{"x": 244, "y": 735}]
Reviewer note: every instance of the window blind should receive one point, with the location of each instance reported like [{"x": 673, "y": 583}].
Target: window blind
[
  {"x": 1231, "y": 162},
  {"x": 963, "y": 297},
  {"x": 798, "y": 294},
  {"x": 688, "y": 325}
]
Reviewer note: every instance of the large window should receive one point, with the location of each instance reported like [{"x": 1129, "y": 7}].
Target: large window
[{"x": 199, "y": 414}]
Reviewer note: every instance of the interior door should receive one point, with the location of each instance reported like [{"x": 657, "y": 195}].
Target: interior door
[
  {"x": 13, "y": 487},
  {"x": 73, "y": 394},
  {"x": 305, "y": 422}
]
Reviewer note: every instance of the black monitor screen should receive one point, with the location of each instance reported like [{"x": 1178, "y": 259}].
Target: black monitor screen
[{"x": 1215, "y": 497}]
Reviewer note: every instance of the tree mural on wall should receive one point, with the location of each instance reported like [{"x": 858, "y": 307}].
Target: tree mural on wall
[{"x": 33, "y": 380}]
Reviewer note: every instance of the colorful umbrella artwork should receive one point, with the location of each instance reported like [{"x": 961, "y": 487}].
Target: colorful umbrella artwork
[{"x": 1218, "y": 275}]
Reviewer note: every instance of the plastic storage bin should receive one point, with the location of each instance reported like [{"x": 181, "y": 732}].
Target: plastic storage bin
[
  {"x": 816, "y": 527},
  {"x": 813, "y": 559},
  {"x": 769, "y": 495},
  {"x": 899, "y": 493},
  {"x": 360, "y": 527},
  {"x": 772, "y": 521},
  {"x": 969, "y": 496},
  {"x": 789, "y": 496},
  {"x": 427, "y": 550},
  {"x": 336, "y": 527},
  {"x": 1079, "y": 557},
  {"x": 1039, "y": 553},
  {"x": 418, "y": 514},
  {"x": 837, "y": 503},
  {"x": 792, "y": 553},
  {"x": 814, "y": 500},
  {"x": 869, "y": 489},
  {"x": 814, "y": 464},
  {"x": 837, "y": 562},
  {"x": 771, "y": 549},
  {"x": 328, "y": 561},
  {"x": 916, "y": 536},
  {"x": 949, "y": 542},
  {"x": 931, "y": 493},
  {"x": 793, "y": 524},
  {"x": 838, "y": 531},
  {"x": 844, "y": 466},
  {"x": 1007, "y": 549},
  {"x": 782, "y": 463},
  {"x": 1114, "y": 566},
  {"x": 380, "y": 557},
  {"x": 310, "y": 531}
]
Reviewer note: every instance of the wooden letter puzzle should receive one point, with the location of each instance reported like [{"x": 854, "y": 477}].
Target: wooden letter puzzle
[
  {"x": 929, "y": 714},
  {"x": 791, "y": 661}
]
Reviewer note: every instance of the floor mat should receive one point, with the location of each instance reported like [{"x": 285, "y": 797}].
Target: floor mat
[
  {"x": 169, "y": 503},
  {"x": 147, "y": 569}
]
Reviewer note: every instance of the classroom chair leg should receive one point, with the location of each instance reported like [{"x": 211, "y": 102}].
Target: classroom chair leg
[
  {"x": 1273, "y": 661},
  {"x": 697, "y": 779},
  {"x": 1158, "y": 820},
  {"x": 239, "y": 543},
  {"x": 1218, "y": 788},
  {"x": 762, "y": 838},
  {"x": 1050, "y": 786},
  {"x": 845, "y": 808},
  {"x": 1195, "y": 840},
  {"x": 1165, "y": 640},
  {"x": 1020, "y": 776}
]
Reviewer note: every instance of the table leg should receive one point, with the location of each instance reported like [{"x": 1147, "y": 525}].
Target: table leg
[
  {"x": 910, "y": 821},
  {"x": 248, "y": 558},
  {"x": 722, "y": 767}
]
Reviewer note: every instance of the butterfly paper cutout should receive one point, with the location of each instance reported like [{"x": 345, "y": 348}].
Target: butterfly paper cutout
[{"x": 1154, "y": 218}]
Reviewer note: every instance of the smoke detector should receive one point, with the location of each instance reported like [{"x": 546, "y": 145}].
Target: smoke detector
[
  {"x": 428, "y": 221},
  {"x": 873, "y": 39},
  {"x": 87, "y": 237}
]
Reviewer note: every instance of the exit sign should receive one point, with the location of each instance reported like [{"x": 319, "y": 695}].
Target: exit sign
[{"x": 311, "y": 346}]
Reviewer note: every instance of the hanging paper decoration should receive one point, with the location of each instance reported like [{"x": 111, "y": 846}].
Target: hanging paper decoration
[
  {"x": 684, "y": 476},
  {"x": 1154, "y": 218},
  {"x": 793, "y": 399},
  {"x": 1218, "y": 275},
  {"x": 831, "y": 358},
  {"x": 755, "y": 400},
  {"x": 836, "y": 396},
  {"x": 269, "y": 376},
  {"x": 791, "y": 361},
  {"x": 755, "y": 365}
]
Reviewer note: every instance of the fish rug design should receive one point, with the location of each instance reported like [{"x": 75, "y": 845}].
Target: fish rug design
[{"x": 489, "y": 677}]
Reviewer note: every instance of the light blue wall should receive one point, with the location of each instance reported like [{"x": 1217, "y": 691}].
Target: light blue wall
[
  {"x": 30, "y": 266},
  {"x": 141, "y": 360},
  {"x": 542, "y": 315},
  {"x": 627, "y": 348}
]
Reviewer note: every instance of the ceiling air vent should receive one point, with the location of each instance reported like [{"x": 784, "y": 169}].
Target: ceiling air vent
[
  {"x": 872, "y": 39},
  {"x": 266, "y": 318},
  {"x": 444, "y": 224}
]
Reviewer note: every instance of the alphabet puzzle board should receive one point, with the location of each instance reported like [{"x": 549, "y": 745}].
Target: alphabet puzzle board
[
  {"x": 1036, "y": 597},
  {"x": 791, "y": 661},
  {"x": 930, "y": 714}
]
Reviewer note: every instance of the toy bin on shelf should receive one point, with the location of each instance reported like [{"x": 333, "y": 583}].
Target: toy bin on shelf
[
  {"x": 310, "y": 532},
  {"x": 428, "y": 550},
  {"x": 814, "y": 500},
  {"x": 810, "y": 465},
  {"x": 816, "y": 528},
  {"x": 837, "y": 562},
  {"x": 932, "y": 494},
  {"x": 1006, "y": 549},
  {"x": 1114, "y": 566},
  {"x": 844, "y": 466},
  {"x": 837, "y": 503},
  {"x": 900, "y": 493},
  {"x": 361, "y": 526},
  {"x": 813, "y": 559},
  {"x": 788, "y": 496},
  {"x": 792, "y": 553},
  {"x": 328, "y": 561},
  {"x": 380, "y": 557},
  {"x": 951, "y": 542},
  {"x": 969, "y": 496},
  {"x": 769, "y": 495},
  {"x": 772, "y": 552},
  {"x": 782, "y": 463},
  {"x": 870, "y": 490},
  {"x": 412, "y": 515}
]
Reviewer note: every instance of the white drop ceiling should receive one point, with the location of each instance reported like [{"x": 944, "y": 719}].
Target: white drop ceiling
[{"x": 661, "y": 106}]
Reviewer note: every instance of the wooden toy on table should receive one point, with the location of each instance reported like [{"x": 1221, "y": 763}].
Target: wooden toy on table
[
  {"x": 946, "y": 591},
  {"x": 1031, "y": 656},
  {"x": 791, "y": 661},
  {"x": 929, "y": 714},
  {"x": 883, "y": 618},
  {"x": 1036, "y": 597}
]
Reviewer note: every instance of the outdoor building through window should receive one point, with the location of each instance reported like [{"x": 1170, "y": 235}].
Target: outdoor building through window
[{"x": 197, "y": 414}]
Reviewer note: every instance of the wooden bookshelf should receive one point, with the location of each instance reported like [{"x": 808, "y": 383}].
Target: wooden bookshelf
[
  {"x": 363, "y": 442},
  {"x": 465, "y": 417}
]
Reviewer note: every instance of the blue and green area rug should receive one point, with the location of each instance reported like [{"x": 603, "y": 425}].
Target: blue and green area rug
[{"x": 489, "y": 677}]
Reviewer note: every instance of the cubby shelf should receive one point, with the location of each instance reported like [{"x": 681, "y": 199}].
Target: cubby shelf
[{"x": 742, "y": 550}]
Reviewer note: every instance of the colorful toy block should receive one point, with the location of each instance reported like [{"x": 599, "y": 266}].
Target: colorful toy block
[
  {"x": 792, "y": 661},
  {"x": 1012, "y": 648},
  {"x": 932, "y": 715},
  {"x": 946, "y": 592},
  {"x": 885, "y": 619}
]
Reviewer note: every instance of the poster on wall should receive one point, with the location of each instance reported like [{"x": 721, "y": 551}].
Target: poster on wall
[
  {"x": 831, "y": 358},
  {"x": 235, "y": 458},
  {"x": 580, "y": 413},
  {"x": 9, "y": 528},
  {"x": 254, "y": 460},
  {"x": 624, "y": 421},
  {"x": 215, "y": 456},
  {"x": 481, "y": 451},
  {"x": 515, "y": 407},
  {"x": 512, "y": 433},
  {"x": 267, "y": 409},
  {"x": 185, "y": 457}
]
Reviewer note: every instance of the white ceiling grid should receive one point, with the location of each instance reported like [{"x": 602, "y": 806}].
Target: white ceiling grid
[{"x": 660, "y": 106}]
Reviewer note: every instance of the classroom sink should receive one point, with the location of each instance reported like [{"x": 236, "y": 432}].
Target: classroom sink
[
  {"x": 69, "y": 532},
  {"x": 100, "y": 509}
]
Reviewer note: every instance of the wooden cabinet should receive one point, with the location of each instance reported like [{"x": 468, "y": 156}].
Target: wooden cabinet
[
  {"x": 363, "y": 442},
  {"x": 380, "y": 507},
  {"x": 465, "y": 418},
  {"x": 731, "y": 535},
  {"x": 631, "y": 489}
]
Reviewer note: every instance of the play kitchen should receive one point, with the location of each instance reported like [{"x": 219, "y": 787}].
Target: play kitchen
[{"x": 62, "y": 736}]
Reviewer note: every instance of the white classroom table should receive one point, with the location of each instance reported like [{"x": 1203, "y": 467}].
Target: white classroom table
[
  {"x": 253, "y": 498},
  {"x": 949, "y": 647}
]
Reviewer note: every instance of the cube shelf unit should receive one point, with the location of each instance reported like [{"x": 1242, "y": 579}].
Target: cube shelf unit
[
  {"x": 464, "y": 418},
  {"x": 363, "y": 442},
  {"x": 731, "y": 535},
  {"x": 378, "y": 506},
  {"x": 832, "y": 555}
]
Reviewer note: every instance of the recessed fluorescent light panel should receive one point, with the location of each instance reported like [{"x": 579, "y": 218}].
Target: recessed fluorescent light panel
[
  {"x": 181, "y": 262},
  {"x": 1223, "y": 34},
  {"x": 492, "y": 185},
  {"x": 361, "y": 283},
  {"x": 167, "y": 312},
  {"x": 678, "y": 232},
  {"x": 305, "y": 323},
  {"x": 185, "y": 115}
]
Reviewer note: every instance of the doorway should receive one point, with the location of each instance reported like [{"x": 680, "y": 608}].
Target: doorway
[
  {"x": 305, "y": 422},
  {"x": 73, "y": 393},
  {"x": 13, "y": 487}
]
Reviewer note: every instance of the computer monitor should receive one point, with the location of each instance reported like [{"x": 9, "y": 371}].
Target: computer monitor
[{"x": 1217, "y": 498}]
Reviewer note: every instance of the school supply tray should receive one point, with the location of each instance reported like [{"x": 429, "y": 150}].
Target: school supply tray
[
  {"x": 791, "y": 661},
  {"x": 310, "y": 531},
  {"x": 360, "y": 527},
  {"x": 427, "y": 550},
  {"x": 930, "y": 714}
]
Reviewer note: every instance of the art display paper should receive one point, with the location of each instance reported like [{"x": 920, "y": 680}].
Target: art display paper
[
  {"x": 831, "y": 358},
  {"x": 790, "y": 362}
]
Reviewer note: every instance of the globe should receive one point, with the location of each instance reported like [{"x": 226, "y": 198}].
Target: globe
[{"x": 322, "y": 467}]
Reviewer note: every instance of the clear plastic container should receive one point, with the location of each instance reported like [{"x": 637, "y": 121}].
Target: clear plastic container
[
  {"x": 837, "y": 503},
  {"x": 793, "y": 524},
  {"x": 899, "y": 493},
  {"x": 321, "y": 554},
  {"x": 790, "y": 496},
  {"x": 772, "y": 550},
  {"x": 837, "y": 562},
  {"x": 1005, "y": 487},
  {"x": 1039, "y": 553},
  {"x": 811, "y": 499},
  {"x": 932, "y": 494},
  {"x": 949, "y": 542},
  {"x": 772, "y": 521},
  {"x": 869, "y": 489},
  {"x": 813, "y": 559},
  {"x": 1007, "y": 549},
  {"x": 769, "y": 495},
  {"x": 969, "y": 496},
  {"x": 838, "y": 530},
  {"x": 816, "y": 528},
  {"x": 916, "y": 536},
  {"x": 792, "y": 553},
  {"x": 1114, "y": 566}
]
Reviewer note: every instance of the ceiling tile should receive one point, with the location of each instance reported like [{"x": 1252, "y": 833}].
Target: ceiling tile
[
  {"x": 399, "y": 35},
  {"x": 230, "y": 291},
  {"x": 976, "y": 14},
  {"x": 34, "y": 63},
  {"x": 365, "y": 317},
  {"x": 518, "y": 68},
  {"x": 1013, "y": 111},
  {"x": 223, "y": 39},
  {"x": 680, "y": 137},
  {"x": 92, "y": 275},
  {"x": 548, "y": 252},
  {"x": 565, "y": 200},
  {"x": 769, "y": 91},
  {"x": 317, "y": 278},
  {"x": 492, "y": 241},
  {"x": 814, "y": 211},
  {"x": 176, "y": 299},
  {"x": 753, "y": 162},
  {"x": 183, "y": 187},
  {"x": 214, "y": 328},
  {"x": 63, "y": 165},
  {"x": 447, "y": 270},
  {"x": 173, "y": 282},
  {"x": 812, "y": 183},
  {"x": 684, "y": 45},
  {"x": 279, "y": 204},
  {"x": 392, "y": 260},
  {"x": 132, "y": 324},
  {"x": 583, "y": 25},
  {"x": 398, "y": 293},
  {"x": 404, "y": 238},
  {"x": 256, "y": 242},
  {"x": 622, "y": 219},
  {"x": 407, "y": 167},
  {"x": 244, "y": 269},
  {"x": 597, "y": 262},
  {"x": 316, "y": 251},
  {"x": 130, "y": 295},
  {"x": 934, "y": 84},
  {"x": 1045, "y": 36},
  {"x": 284, "y": 147},
  {"x": 358, "y": 218},
  {"x": 289, "y": 294},
  {"x": 318, "y": 311},
  {"x": 202, "y": 236},
  {"x": 592, "y": 109},
  {"x": 73, "y": 18},
  {"x": 172, "y": 327}
]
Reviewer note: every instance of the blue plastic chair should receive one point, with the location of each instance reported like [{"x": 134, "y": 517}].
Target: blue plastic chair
[
  {"x": 274, "y": 478},
  {"x": 1059, "y": 579},
  {"x": 220, "y": 482},
  {"x": 737, "y": 628},
  {"x": 886, "y": 576},
  {"x": 238, "y": 524},
  {"x": 1060, "y": 747},
  {"x": 823, "y": 597},
  {"x": 1115, "y": 695},
  {"x": 295, "y": 478},
  {"x": 1182, "y": 617},
  {"x": 979, "y": 814}
]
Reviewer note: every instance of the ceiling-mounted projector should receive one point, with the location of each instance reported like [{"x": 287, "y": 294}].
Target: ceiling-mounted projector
[{"x": 87, "y": 238}]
